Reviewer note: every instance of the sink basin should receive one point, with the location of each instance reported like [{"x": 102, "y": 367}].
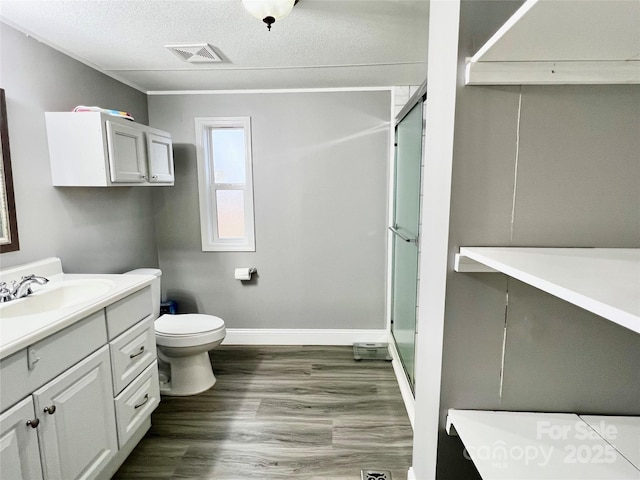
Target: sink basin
[{"x": 55, "y": 297}]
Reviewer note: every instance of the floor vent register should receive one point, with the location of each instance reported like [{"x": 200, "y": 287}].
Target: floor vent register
[{"x": 371, "y": 351}]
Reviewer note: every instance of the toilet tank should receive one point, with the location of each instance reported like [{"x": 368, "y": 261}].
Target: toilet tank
[{"x": 155, "y": 286}]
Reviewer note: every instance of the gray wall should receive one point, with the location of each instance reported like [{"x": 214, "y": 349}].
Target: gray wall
[
  {"x": 320, "y": 181},
  {"x": 576, "y": 185},
  {"x": 90, "y": 229}
]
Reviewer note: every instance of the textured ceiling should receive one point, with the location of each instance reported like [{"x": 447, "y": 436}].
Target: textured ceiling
[{"x": 322, "y": 43}]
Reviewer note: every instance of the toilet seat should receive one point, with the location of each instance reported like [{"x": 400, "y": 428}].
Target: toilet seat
[{"x": 188, "y": 330}]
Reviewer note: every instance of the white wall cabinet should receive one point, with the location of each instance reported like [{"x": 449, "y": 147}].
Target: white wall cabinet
[
  {"x": 160, "y": 152},
  {"x": 100, "y": 150},
  {"x": 79, "y": 400},
  {"x": 125, "y": 150}
]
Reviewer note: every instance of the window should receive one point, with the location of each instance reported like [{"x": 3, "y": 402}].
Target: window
[{"x": 225, "y": 183}]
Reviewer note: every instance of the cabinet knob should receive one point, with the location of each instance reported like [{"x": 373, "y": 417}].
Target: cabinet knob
[
  {"x": 143, "y": 176},
  {"x": 50, "y": 410},
  {"x": 33, "y": 423},
  {"x": 155, "y": 177}
]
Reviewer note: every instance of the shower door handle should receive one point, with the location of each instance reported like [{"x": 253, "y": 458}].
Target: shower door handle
[{"x": 403, "y": 237}]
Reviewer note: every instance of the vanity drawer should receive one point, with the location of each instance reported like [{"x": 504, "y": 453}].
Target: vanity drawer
[
  {"x": 131, "y": 353},
  {"x": 128, "y": 311},
  {"x": 136, "y": 402},
  {"x": 29, "y": 369}
]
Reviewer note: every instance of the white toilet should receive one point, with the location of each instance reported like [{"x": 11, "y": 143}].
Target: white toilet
[{"x": 183, "y": 343}]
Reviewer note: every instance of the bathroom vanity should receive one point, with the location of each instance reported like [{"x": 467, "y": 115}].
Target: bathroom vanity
[{"x": 78, "y": 373}]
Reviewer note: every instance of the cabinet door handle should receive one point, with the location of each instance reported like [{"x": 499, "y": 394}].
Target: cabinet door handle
[
  {"x": 50, "y": 410},
  {"x": 155, "y": 177},
  {"x": 146, "y": 399},
  {"x": 140, "y": 352},
  {"x": 33, "y": 423}
]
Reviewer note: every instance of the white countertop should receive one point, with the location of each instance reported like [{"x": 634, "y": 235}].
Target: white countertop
[{"x": 17, "y": 333}]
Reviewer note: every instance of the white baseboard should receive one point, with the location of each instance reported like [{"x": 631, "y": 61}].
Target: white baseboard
[
  {"x": 286, "y": 336},
  {"x": 403, "y": 382},
  {"x": 411, "y": 475}
]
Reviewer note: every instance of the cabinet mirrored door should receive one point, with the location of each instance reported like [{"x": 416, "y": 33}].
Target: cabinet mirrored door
[{"x": 405, "y": 236}]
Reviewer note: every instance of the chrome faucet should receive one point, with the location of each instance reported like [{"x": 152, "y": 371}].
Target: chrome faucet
[
  {"x": 5, "y": 293},
  {"x": 23, "y": 287}
]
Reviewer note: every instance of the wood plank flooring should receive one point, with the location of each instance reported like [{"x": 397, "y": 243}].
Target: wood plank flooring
[{"x": 307, "y": 413}]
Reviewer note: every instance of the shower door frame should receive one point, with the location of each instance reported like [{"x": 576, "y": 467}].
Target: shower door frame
[{"x": 418, "y": 98}]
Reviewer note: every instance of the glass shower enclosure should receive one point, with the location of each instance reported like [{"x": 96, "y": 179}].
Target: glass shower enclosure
[{"x": 406, "y": 224}]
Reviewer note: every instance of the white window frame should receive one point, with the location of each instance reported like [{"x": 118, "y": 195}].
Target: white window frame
[{"x": 207, "y": 188}]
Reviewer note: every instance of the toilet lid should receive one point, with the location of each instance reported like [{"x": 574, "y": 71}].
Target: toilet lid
[{"x": 187, "y": 324}]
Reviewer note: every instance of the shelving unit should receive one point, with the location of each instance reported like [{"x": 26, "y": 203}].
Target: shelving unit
[
  {"x": 546, "y": 446},
  {"x": 626, "y": 437},
  {"x": 559, "y": 42},
  {"x": 540, "y": 446},
  {"x": 604, "y": 281},
  {"x": 553, "y": 42}
]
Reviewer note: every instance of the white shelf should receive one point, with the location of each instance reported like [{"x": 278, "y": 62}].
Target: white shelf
[
  {"x": 543, "y": 446},
  {"x": 624, "y": 435},
  {"x": 605, "y": 281},
  {"x": 560, "y": 42}
]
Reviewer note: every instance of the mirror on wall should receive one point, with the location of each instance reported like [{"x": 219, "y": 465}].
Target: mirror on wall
[{"x": 8, "y": 221}]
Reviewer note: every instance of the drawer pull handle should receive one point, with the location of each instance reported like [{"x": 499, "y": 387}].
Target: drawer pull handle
[
  {"x": 33, "y": 423},
  {"x": 146, "y": 399},
  {"x": 50, "y": 410},
  {"x": 140, "y": 352}
]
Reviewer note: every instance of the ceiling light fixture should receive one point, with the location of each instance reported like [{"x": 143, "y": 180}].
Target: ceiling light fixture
[{"x": 269, "y": 10}]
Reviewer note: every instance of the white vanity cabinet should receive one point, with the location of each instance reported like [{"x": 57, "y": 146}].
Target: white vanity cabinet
[
  {"x": 133, "y": 362},
  {"x": 131, "y": 353},
  {"x": 77, "y": 429},
  {"x": 77, "y": 402},
  {"x": 100, "y": 150},
  {"x": 19, "y": 453},
  {"x": 136, "y": 402}
]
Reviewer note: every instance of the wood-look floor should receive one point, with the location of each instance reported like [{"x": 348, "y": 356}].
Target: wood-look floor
[{"x": 308, "y": 413}]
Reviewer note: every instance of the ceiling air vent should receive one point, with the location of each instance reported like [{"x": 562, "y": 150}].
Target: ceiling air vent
[{"x": 195, "y": 53}]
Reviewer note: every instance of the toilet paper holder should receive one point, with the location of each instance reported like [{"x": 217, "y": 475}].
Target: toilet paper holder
[{"x": 244, "y": 273}]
